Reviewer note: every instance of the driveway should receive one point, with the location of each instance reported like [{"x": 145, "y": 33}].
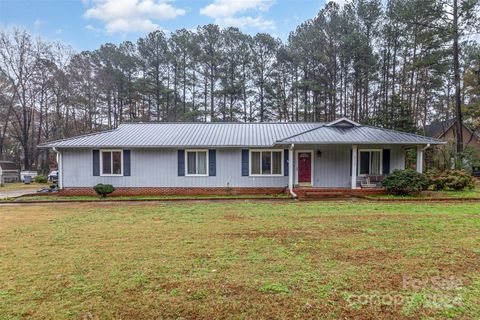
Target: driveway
[{"x": 16, "y": 193}]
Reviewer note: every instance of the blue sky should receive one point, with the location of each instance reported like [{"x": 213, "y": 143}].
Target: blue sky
[{"x": 86, "y": 24}]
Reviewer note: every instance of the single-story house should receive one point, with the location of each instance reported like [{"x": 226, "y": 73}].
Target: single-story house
[{"x": 216, "y": 158}]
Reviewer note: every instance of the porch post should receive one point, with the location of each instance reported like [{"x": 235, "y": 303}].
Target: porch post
[
  {"x": 290, "y": 169},
  {"x": 419, "y": 159},
  {"x": 59, "y": 169},
  {"x": 354, "y": 166}
]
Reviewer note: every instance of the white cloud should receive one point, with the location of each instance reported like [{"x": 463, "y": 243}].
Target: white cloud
[
  {"x": 132, "y": 15},
  {"x": 39, "y": 23},
  {"x": 227, "y": 8},
  {"x": 240, "y": 22},
  {"x": 225, "y": 13}
]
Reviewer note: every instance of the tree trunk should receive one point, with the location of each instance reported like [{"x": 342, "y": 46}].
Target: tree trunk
[{"x": 456, "y": 71}]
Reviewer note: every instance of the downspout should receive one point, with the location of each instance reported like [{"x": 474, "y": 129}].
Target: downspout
[
  {"x": 290, "y": 171},
  {"x": 428, "y": 146}
]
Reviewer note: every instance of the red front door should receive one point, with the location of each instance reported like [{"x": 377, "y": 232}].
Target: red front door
[{"x": 304, "y": 167}]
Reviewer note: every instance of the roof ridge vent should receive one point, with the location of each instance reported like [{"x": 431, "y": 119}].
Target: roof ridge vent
[{"x": 343, "y": 123}]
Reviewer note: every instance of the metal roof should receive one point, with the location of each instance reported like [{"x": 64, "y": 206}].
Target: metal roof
[
  {"x": 357, "y": 135},
  {"x": 173, "y": 135},
  {"x": 187, "y": 134}
]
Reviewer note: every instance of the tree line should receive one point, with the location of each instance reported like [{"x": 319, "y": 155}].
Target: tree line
[{"x": 399, "y": 65}]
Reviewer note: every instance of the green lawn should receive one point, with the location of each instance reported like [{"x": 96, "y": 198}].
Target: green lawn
[{"x": 240, "y": 260}]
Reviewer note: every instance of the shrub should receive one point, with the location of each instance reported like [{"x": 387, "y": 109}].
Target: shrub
[
  {"x": 40, "y": 179},
  {"x": 451, "y": 180},
  {"x": 405, "y": 182},
  {"x": 103, "y": 189}
]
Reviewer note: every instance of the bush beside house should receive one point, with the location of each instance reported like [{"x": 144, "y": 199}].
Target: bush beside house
[
  {"x": 103, "y": 189},
  {"x": 451, "y": 180},
  {"x": 405, "y": 182}
]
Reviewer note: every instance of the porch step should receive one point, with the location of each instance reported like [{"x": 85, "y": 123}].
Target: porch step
[
  {"x": 324, "y": 194},
  {"x": 319, "y": 193}
]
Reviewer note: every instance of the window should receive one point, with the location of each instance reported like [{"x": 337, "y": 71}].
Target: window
[
  {"x": 266, "y": 162},
  {"x": 370, "y": 162},
  {"x": 111, "y": 162},
  {"x": 197, "y": 162}
]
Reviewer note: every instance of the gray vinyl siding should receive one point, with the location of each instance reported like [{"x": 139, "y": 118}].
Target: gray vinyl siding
[
  {"x": 332, "y": 168},
  {"x": 158, "y": 168}
]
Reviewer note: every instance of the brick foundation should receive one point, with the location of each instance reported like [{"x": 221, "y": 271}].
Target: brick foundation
[
  {"x": 335, "y": 192},
  {"x": 165, "y": 191}
]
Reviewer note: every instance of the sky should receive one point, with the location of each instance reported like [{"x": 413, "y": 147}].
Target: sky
[{"x": 86, "y": 24}]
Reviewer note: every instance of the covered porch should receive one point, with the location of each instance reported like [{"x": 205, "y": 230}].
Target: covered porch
[
  {"x": 340, "y": 167},
  {"x": 345, "y": 155}
]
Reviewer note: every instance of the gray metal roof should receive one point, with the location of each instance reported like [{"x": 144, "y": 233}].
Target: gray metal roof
[
  {"x": 173, "y": 135},
  {"x": 357, "y": 135},
  {"x": 188, "y": 134}
]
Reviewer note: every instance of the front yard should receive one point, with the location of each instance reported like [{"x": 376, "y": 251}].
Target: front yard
[{"x": 240, "y": 260}]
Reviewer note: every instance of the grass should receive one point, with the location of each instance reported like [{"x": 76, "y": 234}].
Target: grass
[
  {"x": 237, "y": 260},
  {"x": 22, "y": 186},
  {"x": 153, "y": 197}
]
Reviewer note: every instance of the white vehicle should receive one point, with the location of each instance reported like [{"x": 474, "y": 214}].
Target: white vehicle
[
  {"x": 53, "y": 176},
  {"x": 24, "y": 173}
]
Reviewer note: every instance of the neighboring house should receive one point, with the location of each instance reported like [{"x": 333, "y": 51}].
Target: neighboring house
[
  {"x": 9, "y": 172},
  {"x": 186, "y": 158},
  {"x": 446, "y": 131}
]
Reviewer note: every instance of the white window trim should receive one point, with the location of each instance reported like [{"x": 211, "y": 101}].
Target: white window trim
[
  {"x": 101, "y": 163},
  {"x": 370, "y": 163},
  {"x": 312, "y": 164},
  {"x": 265, "y": 175},
  {"x": 196, "y": 159}
]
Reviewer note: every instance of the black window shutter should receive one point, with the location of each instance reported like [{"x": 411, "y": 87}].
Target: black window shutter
[
  {"x": 181, "y": 163},
  {"x": 212, "y": 163},
  {"x": 126, "y": 163},
  {"x": 244, "y": 162},
  {"x": 285, "y": 162},
  {"x": 386, "y": 161},
  {"x": 96, "y": 162}
]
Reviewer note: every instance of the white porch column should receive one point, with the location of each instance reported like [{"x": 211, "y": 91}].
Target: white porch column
[
  {"x": 419, "y": 159},
  {"x": 354, "y": 166},
  {"x": 290, "y": 170},
  {"x": 59, "y": 168}
]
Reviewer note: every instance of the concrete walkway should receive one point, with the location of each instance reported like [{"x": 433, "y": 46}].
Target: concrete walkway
[{"x": 16, "y": 193}]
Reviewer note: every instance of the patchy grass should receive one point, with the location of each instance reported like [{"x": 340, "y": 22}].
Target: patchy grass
[
  {"x": 22, "y": 186},
  {"x": 114, "y": 198},
  {"x": 240, "y": 260}
]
